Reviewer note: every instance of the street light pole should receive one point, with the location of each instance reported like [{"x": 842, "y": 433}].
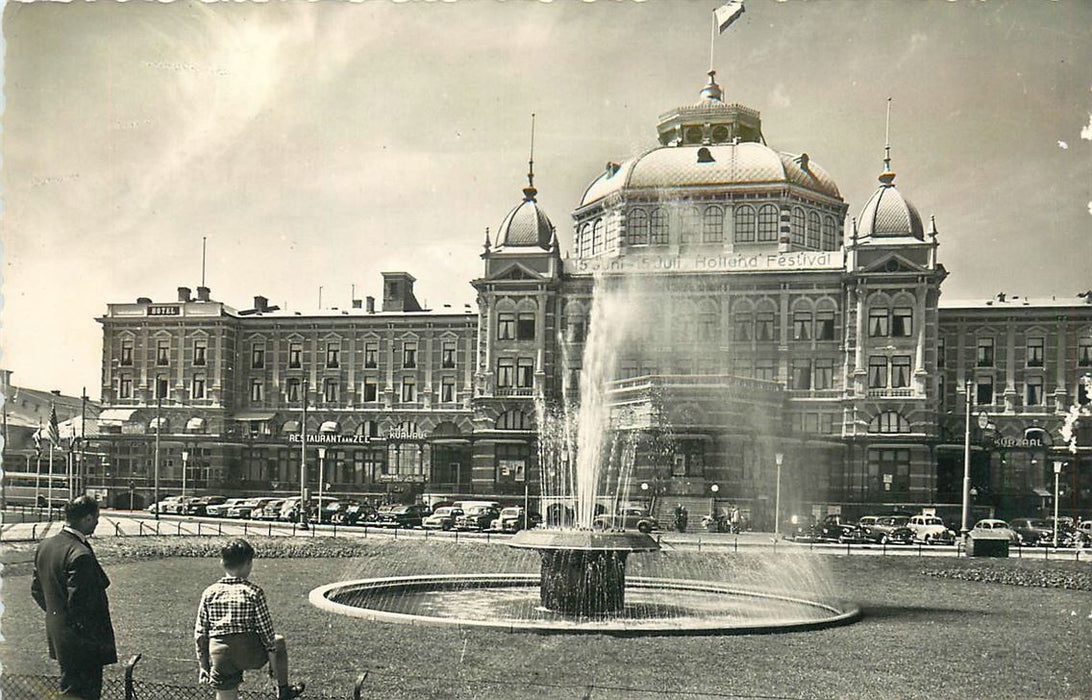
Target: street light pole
[
  {"x": 158, "y": 420},
  {"x": 964, "y": 527},
  {"x": 321, "y": 478},
  {"x": 185, "y": 460},
  {"x": 778, "y": 457},
  {"x": 1057, "y": 476},
  {"x": 303, "y": 459},
  {"x": 713, "y": 501}
]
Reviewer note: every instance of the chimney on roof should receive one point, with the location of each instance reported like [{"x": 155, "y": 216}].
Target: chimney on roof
[
  {"x": 202, "y": 294},
  {"x": 183, "y": 293},
  {"x": 358, "y": 303},
  {"x": 261, "y": 304},
  {"x": 369, "y": 304},
  {"x": 1001, "y": 296},
  {"x": 55, "y": 392},
  {"x": 143, "y": 300}
]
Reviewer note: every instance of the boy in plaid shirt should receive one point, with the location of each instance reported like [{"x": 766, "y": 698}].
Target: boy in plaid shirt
[{"x": 234, "y": 631}]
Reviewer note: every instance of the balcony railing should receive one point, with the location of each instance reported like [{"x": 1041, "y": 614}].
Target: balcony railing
[{"x": 903, "y": 392}]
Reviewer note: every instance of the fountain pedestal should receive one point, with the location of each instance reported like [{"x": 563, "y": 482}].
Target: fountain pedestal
[{"x": 583, "y": 572}]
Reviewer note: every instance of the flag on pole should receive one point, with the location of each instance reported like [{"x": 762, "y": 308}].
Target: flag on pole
[
  {"x": 727, "y": 13},
  {"x": 38, "y": 440},
  {"x": 54, "y": 432}
]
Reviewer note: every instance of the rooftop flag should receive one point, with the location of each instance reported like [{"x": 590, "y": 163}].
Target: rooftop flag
[
  {"x": 54, "y": 432},
  {"x": 727, "y": 13}
]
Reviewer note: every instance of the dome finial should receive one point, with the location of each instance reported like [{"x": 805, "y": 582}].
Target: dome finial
[
  {"x": 712, "y": 91},
  {"x": 529, "y": 191},
  {"x": 887, "y": 176}
]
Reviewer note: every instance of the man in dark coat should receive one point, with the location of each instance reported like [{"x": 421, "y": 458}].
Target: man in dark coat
[{"x": 71, "y": 587}]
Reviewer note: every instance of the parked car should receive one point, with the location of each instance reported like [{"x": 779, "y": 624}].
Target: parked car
[
  {"x": 801, "y": 528},
  {"x": 885, "y": 529},
  {"x": 321, "y": 510},
  {"x": 166, "y": 505},
  {"x": 836, "y": 527},
  {"x": 477, "y": 517},
  {"x": 930, "y": 529},
  {"x": 179, "y": 505},
  {"x": 269, "y": 511},
  {"x": 200, "y": 505},
  {"x": 289, "y": 509},
  {"x": 1068, "y": 536},
  {"x": 401, "y": 516},
  {"x": 632, "y": 518},
  {"x": 1033, "y": 531},
  {"x": 998, "y": 527},
  {"x": 443, "y": 518},
  {"x": 511, "y": 519},
  {"x": 350, "y": 512},
  {"x": 220, "y": 510},
  {"x": 1084, "y": 531},
  {"x": 247, "y": 507}
]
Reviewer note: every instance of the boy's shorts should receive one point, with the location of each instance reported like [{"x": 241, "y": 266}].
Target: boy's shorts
[{"x": 232, "y": 654}]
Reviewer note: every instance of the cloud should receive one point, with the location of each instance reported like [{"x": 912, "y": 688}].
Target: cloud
[{"x": 778, "y": 98}]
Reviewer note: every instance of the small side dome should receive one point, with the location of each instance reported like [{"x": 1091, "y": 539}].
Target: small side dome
[
  {"x": 888, "y": 214},
  {"x": 526, "y": 225}
]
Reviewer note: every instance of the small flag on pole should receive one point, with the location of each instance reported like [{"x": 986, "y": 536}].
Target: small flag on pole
[
  {"x": 38, "y": 440},
  {"x": 727, "y": 13},
  {"x": 54, "y": 432}
]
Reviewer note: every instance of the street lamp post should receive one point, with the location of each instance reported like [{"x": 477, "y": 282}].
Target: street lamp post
[
  {"x": 1057, "y": 476},
  {"x": 779, "y": 458},
  {"x": 964, "y": 527},
  {"x": 303, "y": 460},
  {"x": 185, "y": 460},
  {"x": 321, "y": 478},
  {"x": 158, "y": 420},
  {"x": 713, "y": 501}
]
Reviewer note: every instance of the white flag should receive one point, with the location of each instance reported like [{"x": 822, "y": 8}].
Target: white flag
[{"x": 727, "y": 13}]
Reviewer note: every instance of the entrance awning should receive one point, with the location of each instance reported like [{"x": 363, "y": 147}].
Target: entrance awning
[
  {"x": 160, "y": 422},
  {"x": 330, "y": 426},
  {"x": 195, "y": 425},
  {"x": 290, "y": 426},
  {"x": 116, "y": 415},
  {"x": 253, "y": 415},
  {"x": 1042, "y": 492}
]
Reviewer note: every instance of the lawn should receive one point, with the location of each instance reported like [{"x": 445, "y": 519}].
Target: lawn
[{"x": 922, "y": 635}]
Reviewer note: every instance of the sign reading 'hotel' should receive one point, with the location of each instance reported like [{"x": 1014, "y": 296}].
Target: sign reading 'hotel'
[{"x": 738, "y": 262}]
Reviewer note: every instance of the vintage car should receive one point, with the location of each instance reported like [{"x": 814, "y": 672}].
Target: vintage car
[
  {"x": 401, "y": 516},
  {"x": 200, "y": 505},
  {"x": 1033, "y": 531},
  {"x": 512, "y": 519},
  {"x": 443, "y": 518},
  {"x": 220, "y": 510},
  {"x": 930, "y": 529},
  {"x": 167, "y": 505},
  {"x": 836, "y": 527},
  {"x": 885, "y": 529},
  {"x": 269, "y": 511},
  {"x": 350, "y": 512},
  {"x": 997, "y": 527},
  {"x": 246, "y": 508},
  {"x": 638, "y": 519},
  {"x": 477, "y": 517}
]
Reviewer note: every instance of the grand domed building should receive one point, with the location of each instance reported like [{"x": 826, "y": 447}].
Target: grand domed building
[{"x": 750, "y": 337}]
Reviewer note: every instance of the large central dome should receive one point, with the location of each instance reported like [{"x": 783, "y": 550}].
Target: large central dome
[{"x": 725, "y": 165}]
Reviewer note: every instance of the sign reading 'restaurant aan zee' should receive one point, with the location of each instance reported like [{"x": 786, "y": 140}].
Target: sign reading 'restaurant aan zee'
[{"x": 728, "y": 262}]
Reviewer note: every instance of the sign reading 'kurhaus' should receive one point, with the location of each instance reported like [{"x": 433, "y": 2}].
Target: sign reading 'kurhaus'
[{"x": 740, "y": 262}]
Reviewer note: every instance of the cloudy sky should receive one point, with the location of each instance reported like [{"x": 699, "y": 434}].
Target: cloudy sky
[{"x": 322, "y": 143}]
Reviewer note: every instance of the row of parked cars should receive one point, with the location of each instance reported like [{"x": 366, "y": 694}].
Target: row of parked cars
[
  {"x": 461, "y": 515},
  {"x": 932, "y": 530}
]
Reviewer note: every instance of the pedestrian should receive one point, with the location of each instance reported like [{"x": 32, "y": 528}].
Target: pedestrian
[
  {"x": 70, "y": 586},
  {"x": 234, "y": 631}
]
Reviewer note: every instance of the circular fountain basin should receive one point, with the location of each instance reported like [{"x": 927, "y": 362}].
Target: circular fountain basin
[{"x": 653, "y": 606}]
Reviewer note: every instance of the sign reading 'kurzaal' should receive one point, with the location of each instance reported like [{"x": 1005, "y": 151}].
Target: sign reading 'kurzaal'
[{"x": 728, "y": 262}]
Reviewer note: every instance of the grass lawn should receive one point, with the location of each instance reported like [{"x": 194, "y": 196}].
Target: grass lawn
[{"x": 921, "y": 636}]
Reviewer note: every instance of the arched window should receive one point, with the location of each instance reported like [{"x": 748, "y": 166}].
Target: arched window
[
  {"x": 513, "y": 420},
  {"x": 813, "y": 230},
  {"x": 767, "y": 223},
  {"x": 828, "y": 233},
  {"x": 597, "y": 237},
  {"x": 745, "y": 224},
  {"x": 689, "y": 224},
  {"x": 889, "y": 422},
  {"x": 584, "y": 241},
  {"x": 638, "y": 227},
  {"x": 657, "y": 231},
  {"x": 712, "y": 230},
  {"x": 797, "y": 226}
]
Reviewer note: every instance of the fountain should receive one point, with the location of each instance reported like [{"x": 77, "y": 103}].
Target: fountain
[{"x": 582, "y": 584}]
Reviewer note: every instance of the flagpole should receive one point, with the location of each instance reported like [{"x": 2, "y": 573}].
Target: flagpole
[
  {"x": 712, "y": 39},
  {"x": 49, "y": 482},
  {"x": 38, "y": 463}
]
